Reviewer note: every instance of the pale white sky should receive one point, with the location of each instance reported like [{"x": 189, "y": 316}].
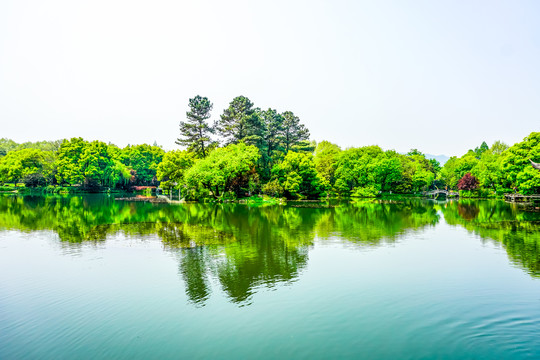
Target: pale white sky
[{"x": 440, "y": 76}]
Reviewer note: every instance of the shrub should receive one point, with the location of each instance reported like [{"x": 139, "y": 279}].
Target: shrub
[
  {"x": 368, "y": 191},
  {"x": 468, "y": 182},
  {"x": 34, "y": 180},
  {"x": 273, "y": 188}
]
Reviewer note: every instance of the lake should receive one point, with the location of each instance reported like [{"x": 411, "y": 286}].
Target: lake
[{"x": 90, "y": 277}]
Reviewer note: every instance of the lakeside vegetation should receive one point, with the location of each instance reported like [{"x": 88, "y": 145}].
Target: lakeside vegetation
[{"x": 252, "y": 151}]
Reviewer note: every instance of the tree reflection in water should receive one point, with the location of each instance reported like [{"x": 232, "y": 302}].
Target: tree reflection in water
[
  {"x": 244, "y": 248},
  {"x": 517, "y": 230}
]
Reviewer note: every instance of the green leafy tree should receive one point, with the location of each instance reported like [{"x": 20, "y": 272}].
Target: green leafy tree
[
  {"x": 298, "y": 177},
  {"x": 42, "y": 145},
  {"x": 467, "y": 162},
  {"x": 224, "y": 169},
  {"x": 6, "y": 145},
  {"x": 388, "y": 172},
  {"x": 143, "y": 160},
  {"x": 417, "y": 172},
  {"x": 481, "y": 149},
  {"x": 448, "y": 174},
  {"x": 488, "y": 169},
  {"x": 356, "y": 170},
  {"x": 423, "y": 172},
  {"x": 92, "y": 164},
  {"x": 98, "y": 165},
  {"x": 422, "y": 179},
  {"x": 172, "y": 169},
  {"x": 326, "y": 160},
  {"x": 435, "y": 165},
  {"x": 516, "y": 168},
  {"x": 196, "y": 132},
  {"x": 69, "y": 167},
  {"x": 498, "y": 147},
  {"x": 455, "y": 168},
  {"x": 273, "y": 188},
  {"x": 19, "y": 164}
]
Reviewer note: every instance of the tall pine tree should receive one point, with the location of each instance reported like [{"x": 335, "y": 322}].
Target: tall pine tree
[
  {"x": 196, "y": 132},
  {"x": 294, "y": 133},
  {"x": 271, "y": 145},
  {"x": 273, "y": 124},
  {"x": 241, "y": 122}
]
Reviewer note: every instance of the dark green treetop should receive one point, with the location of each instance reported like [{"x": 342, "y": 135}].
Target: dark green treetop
[
  {"x": 480, "y": 150},
  {"x": 241, "y": 122},
  {"x": 273, "y": 125},
  {"x": 294, "y": 133},
  {"x": 413, "y": 152}
]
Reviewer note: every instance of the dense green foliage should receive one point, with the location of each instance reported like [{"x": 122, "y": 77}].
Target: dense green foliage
[
  {"x": 264, "y": 151},
  {"x": 143, "y": 161},
  {"x": 499, "y": 169},
  {"x": 228, "y": 169},
  {"x": 19, "y": 164},
  {"x": 7, "y": 145},
  {"x": 298, "y": 177},
  {"x": 173, "y": 167},
  {"x": 369, "y": 170},
  {"x": 92, "y": 165}
]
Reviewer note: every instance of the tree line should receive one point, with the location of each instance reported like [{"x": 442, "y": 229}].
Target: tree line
[
  {"x": 251, "y": 151},
  {"x": 495, "y": 170},
  {"x": 76, "y": 162}
]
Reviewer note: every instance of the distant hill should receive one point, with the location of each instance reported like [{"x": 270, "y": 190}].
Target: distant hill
[{"x": 440, "y": 158}]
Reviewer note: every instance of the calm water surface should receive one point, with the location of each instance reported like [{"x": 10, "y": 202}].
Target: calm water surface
[{"x": 94, "y": 278}]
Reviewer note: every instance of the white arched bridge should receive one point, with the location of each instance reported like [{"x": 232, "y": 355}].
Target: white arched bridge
[{"x": 438, "y": 192}]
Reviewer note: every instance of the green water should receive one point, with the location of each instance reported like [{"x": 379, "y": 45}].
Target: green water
[{"x": 94, "y": 278}]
